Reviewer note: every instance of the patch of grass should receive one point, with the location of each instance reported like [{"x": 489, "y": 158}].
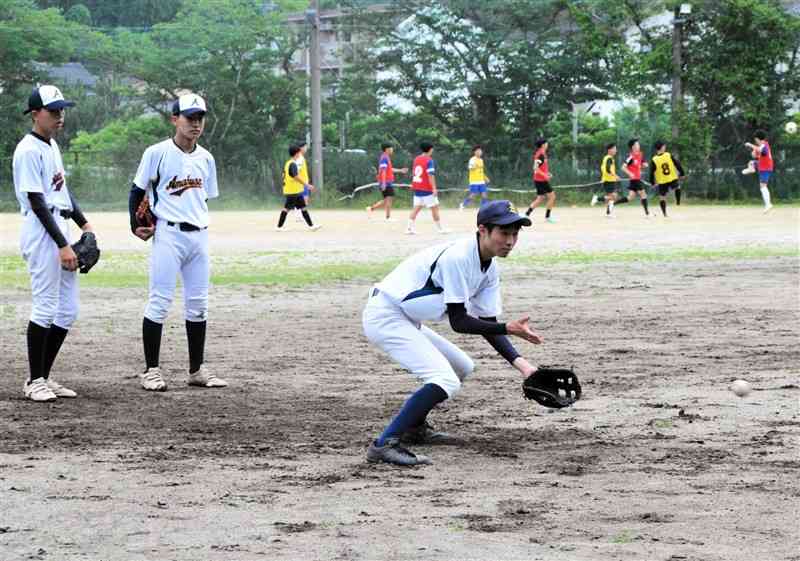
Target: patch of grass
[
  {"x": 624, "y": 537},
  {"x": 693, "y": 253},
  {"x": 297, "y": 269}
]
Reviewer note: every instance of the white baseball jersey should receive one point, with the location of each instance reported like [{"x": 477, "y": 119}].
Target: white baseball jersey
[
  {"x": 426, "y": 282},
  {"x": 38, "y": 168},
  {"x": 178, "y": 183}
]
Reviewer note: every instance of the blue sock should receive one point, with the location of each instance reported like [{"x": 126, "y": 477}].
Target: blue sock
[
  {"x": 484, "y": 200},
  {"x": 466, "y": 201},
  {"x": 413, "y": 412}
]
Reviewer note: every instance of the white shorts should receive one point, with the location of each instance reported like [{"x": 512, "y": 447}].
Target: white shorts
[
  {"x": 428, "y": 356},
  {"x": 428, "y": 201}
]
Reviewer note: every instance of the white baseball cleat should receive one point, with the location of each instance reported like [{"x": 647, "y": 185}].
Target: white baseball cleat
[
  {"x": 37, "y": 390},
  {"x": 59, "y": 390},
  {"x": 410, "y": 231},
  {"x": 206, "y": 379},
  {"x": 315, "y": 227},
  {"x": 280, "y": 228},
  {"x": 767, "y": 209},
  {"x": 594, "y": 200},
  {"x": 151, "y": 380}
]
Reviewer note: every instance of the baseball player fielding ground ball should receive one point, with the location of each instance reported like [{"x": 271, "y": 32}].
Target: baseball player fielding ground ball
[
  {"x": 459, "y": 281},
  {"x": 47, "y": 205},
  {"x": 178, "y": 177}
]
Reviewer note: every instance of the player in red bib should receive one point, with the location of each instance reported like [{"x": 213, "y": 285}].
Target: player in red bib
[
  {"x": 763, "y": 154},
  {"x": 633, "y": 167},
  {"x": 423, "y": 185},
  {"x": 541, "y": 179},
  {"x": 386, "y": 181}
]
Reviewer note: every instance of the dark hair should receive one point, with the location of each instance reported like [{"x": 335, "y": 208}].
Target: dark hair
[
  {"x": 293, "y": 149},
  {"x": 761, "y": 135},
  {"x": 611, "y": 145},
  {"x": 541, "y": 142},
  {"x": 658, "y": 145},
  {"x": 301, "y": 144},
  {"x": 385, "y": 146},
  {"x": 477, "y": 147},
  {"x": 632, "y": 141},
  {"x": 490, "y": 227},
  {"x": 425, "y": 146}
]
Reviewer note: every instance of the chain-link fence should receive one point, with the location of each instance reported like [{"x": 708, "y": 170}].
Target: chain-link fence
[{"x": 104, "y": 186}]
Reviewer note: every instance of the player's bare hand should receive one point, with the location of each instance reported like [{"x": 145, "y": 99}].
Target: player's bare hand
[
  {"x": 145, "y": 233},
  {"x": 69, "y": 261},
  {"x": 403, "y": 170},
  {"x": 520, "y": 328},
  {"x": 311, "y": 187}
]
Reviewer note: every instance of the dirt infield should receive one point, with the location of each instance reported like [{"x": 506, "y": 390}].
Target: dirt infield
[{"x": 659, "y": 461}]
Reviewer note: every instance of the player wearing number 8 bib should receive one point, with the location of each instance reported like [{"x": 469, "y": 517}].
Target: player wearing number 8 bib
[
  {"x": 179, "y": 177},
  {"x": 665, "y": 173},
  {"x": 423, "y": 185}
]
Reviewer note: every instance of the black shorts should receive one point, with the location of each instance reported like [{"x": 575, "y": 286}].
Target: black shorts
[
  {"x": 636, "y": 185},
  {"x": 387, "y": 191},
  {"x": 664, "y": 189},
  {"x": 610, "y": 187},
  {"x": 543, "y": 187},
  {"x": 294, "y": 201}
]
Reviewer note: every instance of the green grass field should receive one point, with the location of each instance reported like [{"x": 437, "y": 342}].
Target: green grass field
[{"x": 294, "y": 269}]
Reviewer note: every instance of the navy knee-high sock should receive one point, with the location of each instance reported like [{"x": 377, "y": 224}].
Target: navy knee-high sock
[
  {"x": 196, "y": 335},
  {"x": 37, "y": 339},
  {"x": 151, "y": 337},
  {"x": 413, "y": 412},
  {"x": 55, "y": 338}
]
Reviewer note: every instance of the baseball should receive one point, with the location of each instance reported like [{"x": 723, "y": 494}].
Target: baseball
[{"x": 740, "y": 387}]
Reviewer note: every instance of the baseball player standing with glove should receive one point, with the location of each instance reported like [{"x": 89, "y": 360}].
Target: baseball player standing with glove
[
  {"x": 459, "y": 281},
  {"x": 47, "y": 205},
  {"x": 178, "y": 177}
]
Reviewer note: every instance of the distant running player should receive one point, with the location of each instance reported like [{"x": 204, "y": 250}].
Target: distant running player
[
  {"x": 541, "y": 180},
  {"x": 423, "y": 185},
  {"x": 609, "y": 177},
  {"x": 665, "y": 173},
  {"x": 763, "y": 157},
  {"x": 478, "y": 180},
  {"x": 293, "y": 188},
  {"x": 386, "y": 181},
  {"x": 633, "y": 167}
]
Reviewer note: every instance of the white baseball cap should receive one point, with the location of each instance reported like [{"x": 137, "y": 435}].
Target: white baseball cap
[
  {"x": 47, "y": 97},
  {"x": 189, "y": 104}
]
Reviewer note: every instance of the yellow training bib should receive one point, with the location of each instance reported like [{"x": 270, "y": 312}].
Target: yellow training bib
[
  {"x": 476, "y": 175},
  {"x": 665, "y": 170},
  {"x": 291, "y": 185},
  {"x": 608, "y": 174}
]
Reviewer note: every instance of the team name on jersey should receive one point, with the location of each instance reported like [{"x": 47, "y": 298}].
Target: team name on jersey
[{"x": 177, "y": 187}]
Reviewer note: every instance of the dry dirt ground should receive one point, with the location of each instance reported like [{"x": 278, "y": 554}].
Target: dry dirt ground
[{"x": 658, "y": 461}]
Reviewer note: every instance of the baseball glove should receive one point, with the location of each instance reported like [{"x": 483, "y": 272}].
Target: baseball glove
[
  {"x": 144, "y": 216},
  {"x": 552, "y": 387},
  {"x": 87, "y": 251}
]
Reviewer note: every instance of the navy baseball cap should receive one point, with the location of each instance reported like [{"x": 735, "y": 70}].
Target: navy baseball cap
[
  {"x": 47, "y": 97},
  {"x": 189, "y": 104},
  {"x": 501, "y": 213}
]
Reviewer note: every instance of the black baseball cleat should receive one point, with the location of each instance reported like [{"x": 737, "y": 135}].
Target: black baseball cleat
[
  {"x": 426, "y": 434},
  {"x": 393, "y": 453}
]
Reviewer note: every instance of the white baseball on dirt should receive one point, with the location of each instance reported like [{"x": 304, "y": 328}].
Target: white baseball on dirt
[{"x": 741, "y": 387}]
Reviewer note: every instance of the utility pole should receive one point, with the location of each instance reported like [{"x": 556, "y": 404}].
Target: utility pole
[
  {"x": 682, "y": 12},
  {"x": 312, "y": 17}
]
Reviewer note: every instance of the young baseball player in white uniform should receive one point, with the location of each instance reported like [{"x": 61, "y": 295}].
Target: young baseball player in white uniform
[
  {"x": 459, "y": 281},
  {"x": 179, "y": 177},
  {"x": 47, "y": 205}
]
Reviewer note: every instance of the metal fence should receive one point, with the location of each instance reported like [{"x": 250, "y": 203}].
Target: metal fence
[{"x": 105, "y": 185}]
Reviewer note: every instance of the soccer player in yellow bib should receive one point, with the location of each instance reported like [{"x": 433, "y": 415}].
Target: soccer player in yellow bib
[
  {"x": 609, "y": 177},
  {"x": 293, "y": 187},
  {"x": 478, "y": 180},
  {"x": 665, "y": 173}
]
